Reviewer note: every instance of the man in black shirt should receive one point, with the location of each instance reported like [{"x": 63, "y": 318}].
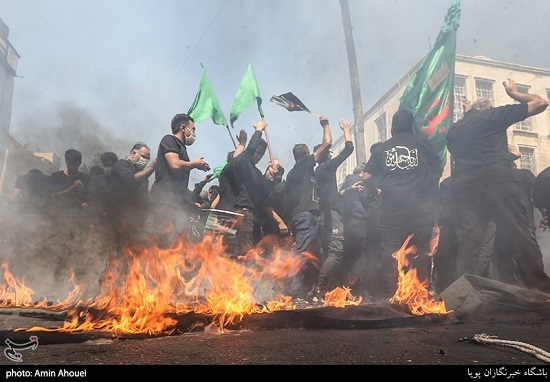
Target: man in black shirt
[
  {"x": 70, "y": 186},
  {"x": 483, "y": 184},
  {"x": 331, "y": 227},
  {"x": 302, "y": 212},
  {"x": 409, "y": 169},
  {"x": 251, "y": 191},
  {"x": 31, "y": 191},
  {"x": 129, "y": 187},
  {"x": 170, "y": 193}
]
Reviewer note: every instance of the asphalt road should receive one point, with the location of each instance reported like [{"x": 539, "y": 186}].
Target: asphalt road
[{"x": 430, "y": 346}]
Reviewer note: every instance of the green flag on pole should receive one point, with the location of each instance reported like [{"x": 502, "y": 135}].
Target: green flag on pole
[
  {"x": 248, "y": 93},
  {"x": 429, "y": 94},
  {"x": 206, "y": 103}
]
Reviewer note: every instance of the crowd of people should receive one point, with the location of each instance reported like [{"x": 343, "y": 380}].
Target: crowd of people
[{"x": 478, "y": 221}]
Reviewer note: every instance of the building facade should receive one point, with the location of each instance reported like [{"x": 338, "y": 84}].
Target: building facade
[
  {"x": 475, "y": 77},
  {"x": 8, "y": 70},
  {"x": 15, "y": 158}
]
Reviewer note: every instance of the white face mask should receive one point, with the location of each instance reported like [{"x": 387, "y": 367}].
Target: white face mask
[
  {"x": 141, "y": 163},
  {"x": 189, "y": 140}
]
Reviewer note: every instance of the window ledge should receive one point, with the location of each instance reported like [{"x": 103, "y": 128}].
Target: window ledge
[{"x": 525, "y": 133}]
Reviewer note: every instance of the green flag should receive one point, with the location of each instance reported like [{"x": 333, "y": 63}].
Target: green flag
[
  {"x": 248, "y": 92},
  {"x": 429, "y": 94},
  {"x": 218, "y": 169},
  {"x": 206, "y": 103}
]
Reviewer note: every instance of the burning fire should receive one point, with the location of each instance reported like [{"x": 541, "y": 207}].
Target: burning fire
[
  {"x": 410, "y": 290},
  {"x": 144, "y": 291}
]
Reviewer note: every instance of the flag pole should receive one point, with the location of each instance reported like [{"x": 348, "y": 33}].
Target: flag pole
[
  {"x": 231, "y": 136},
  {"x": 267, "y": 141},
  {"x": 268, "y": 145},
  {"x": 309, "y": 111}
]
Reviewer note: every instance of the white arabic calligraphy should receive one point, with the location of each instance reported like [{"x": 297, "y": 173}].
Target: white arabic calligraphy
[{"x": 401, "y": 157}]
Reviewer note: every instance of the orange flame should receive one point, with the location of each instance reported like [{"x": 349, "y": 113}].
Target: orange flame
[
  {"x": 410, "y": 290},
  {"x": 142, "y": 292}
]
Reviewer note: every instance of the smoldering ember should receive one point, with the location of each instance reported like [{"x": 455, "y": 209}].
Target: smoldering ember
[{"x": 67, "y": 270}]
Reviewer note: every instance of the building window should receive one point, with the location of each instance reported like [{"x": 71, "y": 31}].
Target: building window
[
  {"x": 381, "y": 127},
  {"x": 459, "y": 97},
  {"x": 484, "y": 89},
  {"x": 524, "y": 125},
  {"x": 527, "y": 159}
]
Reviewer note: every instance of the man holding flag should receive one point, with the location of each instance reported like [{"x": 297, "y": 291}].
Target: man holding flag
[{"x": 251, "y": 192}]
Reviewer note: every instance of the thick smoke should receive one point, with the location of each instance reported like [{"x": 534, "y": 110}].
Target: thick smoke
[
  {"x": 44, "y": 250},
  {"x": 73, "y": 128}
]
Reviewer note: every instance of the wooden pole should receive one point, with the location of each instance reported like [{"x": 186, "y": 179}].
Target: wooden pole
[
  {"x": 268, "y": 145},
  {"x": 231, "y": 136}
]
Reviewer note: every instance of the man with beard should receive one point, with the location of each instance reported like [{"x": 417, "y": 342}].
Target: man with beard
[{"x": 170, "y": 192}]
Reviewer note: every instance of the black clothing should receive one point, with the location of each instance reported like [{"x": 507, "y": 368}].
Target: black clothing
[
  {"x": 251, "y": 194},
  {"x": 541, "y": 190},
  {"x": 479, "y": 144},
  {"x": 302, "y": 212},
  {"x": 485, "y": 187},
  {"x": 126, "y": 190},
  {"x": 227, "y": 197},
  {"x": 301, "y": 192},
  {"x": 325, "y": 176},
  {"x": 74, "y": 199},
  {"x": 504, "y": 264},
  {"x": 171, "y": 187},
  {"x": 35, "y": 191},
  {"x": 409, "y": 169},
  {"x": 247, "y": 181},
  {"x": 361, "y": 238},
  {"x": 331, "y": 227},
  {"x": 98, "y": 195},
  {"x": 276, "y": 196}
]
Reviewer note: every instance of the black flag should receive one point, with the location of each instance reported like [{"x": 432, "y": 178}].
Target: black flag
[{"x": 290, "y": 102}]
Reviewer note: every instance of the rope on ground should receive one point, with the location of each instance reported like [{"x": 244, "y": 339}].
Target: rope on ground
[{"x": 522, "y": 346}]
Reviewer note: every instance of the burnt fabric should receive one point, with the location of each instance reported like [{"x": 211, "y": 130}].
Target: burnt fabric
[{"x": 476, "y": 298}]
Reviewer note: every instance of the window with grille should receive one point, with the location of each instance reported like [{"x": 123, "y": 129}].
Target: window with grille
[
  {"x": 484, "y": 89},
  {"x": 381, "y": 127},
  {"x": 527, "y": 159},
  {"x": 459, "y": 97},
  {"x": 524, "y": 125}
]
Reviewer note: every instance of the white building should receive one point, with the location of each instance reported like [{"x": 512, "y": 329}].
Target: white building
[{"x": 474, "y": 77}]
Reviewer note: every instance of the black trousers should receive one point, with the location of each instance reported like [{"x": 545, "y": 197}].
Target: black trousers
[{"x": 505, "y": 204}]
